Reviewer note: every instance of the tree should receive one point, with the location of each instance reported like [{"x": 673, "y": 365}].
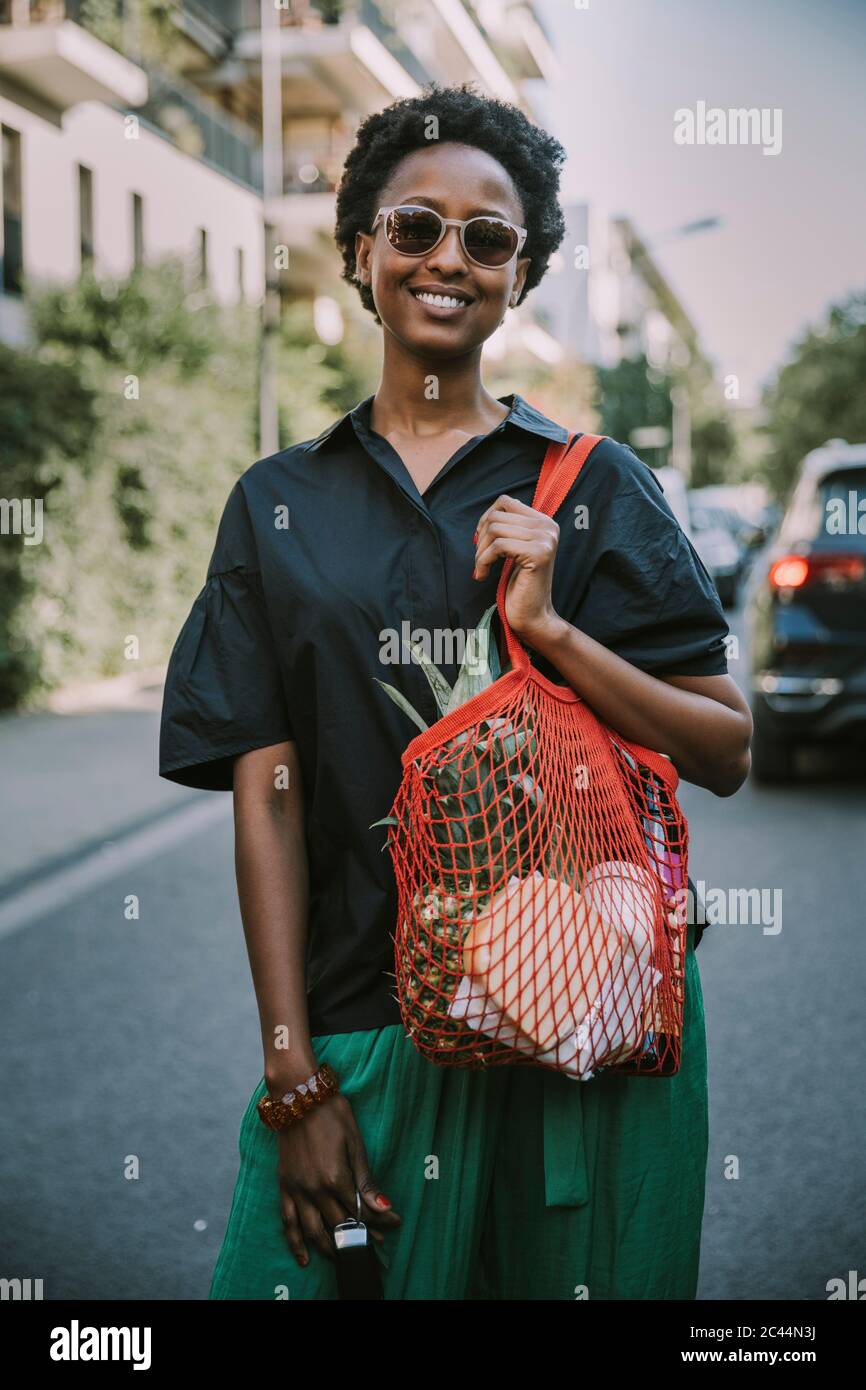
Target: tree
[
  {"x": 819, "y": 394},
  {"x": 47, "y": 417},
  {"x": 631, "y": 395},
  {"x": 713, "y": 446}
]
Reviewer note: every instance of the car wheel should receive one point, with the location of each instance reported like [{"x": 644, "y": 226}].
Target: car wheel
[{"x": 772, "y": 760}]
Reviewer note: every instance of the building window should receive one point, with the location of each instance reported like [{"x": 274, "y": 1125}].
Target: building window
[
  {"x": 12, "y": 247},
  {"x": 202, "y": 257},
  {"x": 137, "y": 230},
  {"x": 85, "y": 214},
  {"x": 240, "y": 271}
]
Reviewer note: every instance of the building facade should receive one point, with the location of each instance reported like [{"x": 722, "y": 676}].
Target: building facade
[{"x": 131, "y": 131}]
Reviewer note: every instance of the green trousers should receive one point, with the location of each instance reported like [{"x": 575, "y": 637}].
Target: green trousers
[{"x": 512, "y": 1183}]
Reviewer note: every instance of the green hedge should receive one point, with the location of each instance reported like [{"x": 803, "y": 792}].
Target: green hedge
[{"x": 132, "y": 418}]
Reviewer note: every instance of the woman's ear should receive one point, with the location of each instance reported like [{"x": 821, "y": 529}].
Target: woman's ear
[
  {"x": 520, "y": 279},
  {"x": 362, "y": 257}
]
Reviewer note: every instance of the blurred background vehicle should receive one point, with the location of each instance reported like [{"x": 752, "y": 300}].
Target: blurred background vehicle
[
  {"x": 717, "y": 539},
  {"x": 806, "y": 616},
  {"x": 730, "y": 504},
  {"x": 677, "y": 493},
  {"x": 720, "y": 553}
]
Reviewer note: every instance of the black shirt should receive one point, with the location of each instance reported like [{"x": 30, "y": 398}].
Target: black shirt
[{"x": 326, "y": 555}]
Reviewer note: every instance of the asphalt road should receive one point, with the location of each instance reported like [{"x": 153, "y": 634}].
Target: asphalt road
[{"x": 131, "y": 1045}]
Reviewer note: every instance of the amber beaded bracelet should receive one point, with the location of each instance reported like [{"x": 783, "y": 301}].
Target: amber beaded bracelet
[{"x": 279, "y": 1114}]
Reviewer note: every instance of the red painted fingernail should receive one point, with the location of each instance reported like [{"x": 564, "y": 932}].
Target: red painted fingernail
[
  {"x": 474, "y": 574},
  {"x": 382, "y": 1201},
  {"x": 475, "y": 538}
]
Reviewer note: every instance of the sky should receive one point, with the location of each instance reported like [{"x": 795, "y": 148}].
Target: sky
[{"x": 792, "y": 238}]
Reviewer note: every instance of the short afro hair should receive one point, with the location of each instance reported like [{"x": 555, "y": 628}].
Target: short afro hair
[{"x": 530, "y": 156}]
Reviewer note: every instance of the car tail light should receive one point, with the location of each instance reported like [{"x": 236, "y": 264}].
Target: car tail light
[
  {"x": 835, "y": 570},
  {"x": 790, "y": 572}
]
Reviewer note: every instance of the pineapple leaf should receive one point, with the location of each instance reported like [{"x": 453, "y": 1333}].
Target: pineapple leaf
[
  {"x": 401, "y": 701},
  {"x": 475, "y": 673},
  {"x": 437, "y": 682}
]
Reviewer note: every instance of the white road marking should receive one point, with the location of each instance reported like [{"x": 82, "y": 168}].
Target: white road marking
[{"x": 111, "y": 860}]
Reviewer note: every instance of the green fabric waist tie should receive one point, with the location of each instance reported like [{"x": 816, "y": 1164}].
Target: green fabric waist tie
[{"x": 566, "y": 1181}]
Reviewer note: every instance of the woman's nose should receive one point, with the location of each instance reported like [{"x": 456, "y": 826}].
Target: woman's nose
[{"x": 450, "y": 249}]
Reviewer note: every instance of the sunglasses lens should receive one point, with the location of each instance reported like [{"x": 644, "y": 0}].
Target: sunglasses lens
[
  {"x": 489, "y": 242},
  {"x": 413, "y": 231}
]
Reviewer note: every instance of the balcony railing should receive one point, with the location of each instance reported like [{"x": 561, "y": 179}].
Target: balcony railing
[
  {"x": 201, "y": 128},
  {"x": 106, "y": 21},
  {"x": 370, "y": 14},
  {"x": 183, "y": 114},
  {"x": 53, "y": 11},
  {"x": 247, "y": 14}
]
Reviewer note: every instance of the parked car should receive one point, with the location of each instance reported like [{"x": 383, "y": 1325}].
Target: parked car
[
  {"x": 676, "y": 491},
  {"x": 770, "y": 518},
  {"x": 714, "y": 550},
  {"x": 720, "y": 549},
  {"x": 742, "y": 507},
  {"x": 736, "y": 508},
  {"x": 806, "y": 616}
]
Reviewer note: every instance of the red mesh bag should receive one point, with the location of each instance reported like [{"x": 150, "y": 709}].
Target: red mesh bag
[{"x": 541, "y": 868}]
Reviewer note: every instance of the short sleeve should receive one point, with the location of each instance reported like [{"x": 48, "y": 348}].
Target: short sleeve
[
  {"x": 223, "y": 691},
  {"x": 649, "y": 597}
]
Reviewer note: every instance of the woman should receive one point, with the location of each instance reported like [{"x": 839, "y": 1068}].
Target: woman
[{"x": 515, "y": 1182}]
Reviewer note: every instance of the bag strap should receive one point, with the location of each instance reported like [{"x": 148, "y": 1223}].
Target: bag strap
[
  {"x": 562, "y": 463},
  {"x": 560, "y": 469}
]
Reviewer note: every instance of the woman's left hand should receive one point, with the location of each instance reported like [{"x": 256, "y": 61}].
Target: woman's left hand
[{"x": 509, "y": 527}]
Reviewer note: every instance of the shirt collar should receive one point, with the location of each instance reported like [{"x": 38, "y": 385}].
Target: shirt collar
[{"x": 521, "y": 414}]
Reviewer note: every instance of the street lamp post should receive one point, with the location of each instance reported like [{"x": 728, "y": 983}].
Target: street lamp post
[
  {"x": 681, "y": 432},
  {"x": 681, "y": 419}
]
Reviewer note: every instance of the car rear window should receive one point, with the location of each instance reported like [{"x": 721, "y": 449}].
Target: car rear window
[
  {"x": 842, "y": 501},
  {"x": 829, "y": 512}
]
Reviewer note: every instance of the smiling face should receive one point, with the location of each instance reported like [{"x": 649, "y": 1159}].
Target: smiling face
[{"x": 457, "y": 181}]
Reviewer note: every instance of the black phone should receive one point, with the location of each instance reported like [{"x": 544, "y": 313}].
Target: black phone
[{"x": 358, "y": 1271}]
